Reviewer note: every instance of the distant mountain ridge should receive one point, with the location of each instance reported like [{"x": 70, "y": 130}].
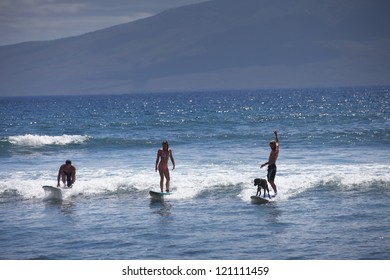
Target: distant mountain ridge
[{"x": 221, "y": 44}]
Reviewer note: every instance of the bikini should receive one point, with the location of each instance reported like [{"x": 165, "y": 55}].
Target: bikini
[{"x": 163, "y": 167}]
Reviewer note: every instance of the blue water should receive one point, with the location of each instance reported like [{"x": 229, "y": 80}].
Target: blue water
[{"x": 333, "y": 175}]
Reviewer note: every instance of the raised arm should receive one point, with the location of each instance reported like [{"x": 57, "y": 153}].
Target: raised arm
[{"x": 276, "y": 137}]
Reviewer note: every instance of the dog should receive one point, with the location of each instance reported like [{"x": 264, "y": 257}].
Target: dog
[{"x": 261, "y": 184}]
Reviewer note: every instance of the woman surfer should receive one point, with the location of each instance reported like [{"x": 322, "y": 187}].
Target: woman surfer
[{"x": 162, "y": 164}]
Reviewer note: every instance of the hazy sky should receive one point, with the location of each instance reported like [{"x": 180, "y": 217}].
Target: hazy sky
[{"x": 31, "y": 20}]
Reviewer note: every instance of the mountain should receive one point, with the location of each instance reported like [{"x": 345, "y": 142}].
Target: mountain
[{"x": 220, "y": 44}]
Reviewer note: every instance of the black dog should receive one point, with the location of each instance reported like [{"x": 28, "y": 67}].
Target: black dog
[{"x": 261, "y": 184}]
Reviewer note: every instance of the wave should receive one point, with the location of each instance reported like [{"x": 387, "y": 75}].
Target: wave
[
  {"x": 34, "y": 140},
  {"x": 206, "y": 182}
]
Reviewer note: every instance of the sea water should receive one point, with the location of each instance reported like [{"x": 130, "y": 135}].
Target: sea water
[{"x": 333, "y": 175}]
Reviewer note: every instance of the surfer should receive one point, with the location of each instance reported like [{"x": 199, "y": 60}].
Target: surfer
[
  {"x": 67, "y": 172},
  {"x": 273, "y": 156},
  {"x": 162, "y": 164}
]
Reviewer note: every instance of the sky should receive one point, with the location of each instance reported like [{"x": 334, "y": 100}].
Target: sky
[{"x": 36, "y": 20}]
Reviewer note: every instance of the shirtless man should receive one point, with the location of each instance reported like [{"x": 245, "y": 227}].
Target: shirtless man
[
  {"x": 162, "y": 164},
  {"x": 67, "y": 171},
  {"x": 273, "y": 156}
]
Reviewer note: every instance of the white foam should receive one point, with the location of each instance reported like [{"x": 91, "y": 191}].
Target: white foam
[
  {"x": 42, "y": 140},
  {"x": 188, "y": 182},
  {"x": 294, "y": 179}
]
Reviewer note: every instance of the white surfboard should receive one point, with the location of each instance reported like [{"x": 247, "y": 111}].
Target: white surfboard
[
  {"x": 158, "y": 195},
  {"x": 259, "y": 200},
  {"x": 52, "y": 192}
]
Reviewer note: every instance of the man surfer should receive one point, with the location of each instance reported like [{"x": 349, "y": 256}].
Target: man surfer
[
  {"x": 67, "y": 171},
  {"x": 273, "y": 156},
  {"x": 162, "y": 164}
]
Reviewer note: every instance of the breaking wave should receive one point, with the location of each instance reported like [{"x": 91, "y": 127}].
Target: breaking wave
[{"x": 44, "y": 140}]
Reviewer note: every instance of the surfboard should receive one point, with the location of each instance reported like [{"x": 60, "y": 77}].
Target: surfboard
[
  {"x": 158, "y": 195},
  {"x": 259, "y": 200},
  {"x": 52, "y": 192}
]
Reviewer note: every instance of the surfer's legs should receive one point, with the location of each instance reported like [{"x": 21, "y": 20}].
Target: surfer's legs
[
  {"x": 164, "y": 172},
  {"x": 161, "y": 180},
  {"x": 271, "y": 177},
  {"x": 273, "y": 186},
  {"x": 68, "y": 180},
  {"x": 168, "y": 179}
]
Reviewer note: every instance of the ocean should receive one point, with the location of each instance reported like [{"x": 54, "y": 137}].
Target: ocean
[{"x": 333, "y": 175}]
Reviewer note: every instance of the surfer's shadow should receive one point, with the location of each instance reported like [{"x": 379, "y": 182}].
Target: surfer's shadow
[
  {"x": 63, "y": 207},
  {"x": 163, "y": 207}
]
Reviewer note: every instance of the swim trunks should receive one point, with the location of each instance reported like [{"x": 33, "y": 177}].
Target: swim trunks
[
  {"x": 271, "y": 172},
  {"x": 68, "y": 178}
]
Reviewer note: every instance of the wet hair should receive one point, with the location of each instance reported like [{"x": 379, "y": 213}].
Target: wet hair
[
  {"x": 272, "y": 142},
  {"x": 68, "y": 161},
  {"x": 165, "y": 142}
]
